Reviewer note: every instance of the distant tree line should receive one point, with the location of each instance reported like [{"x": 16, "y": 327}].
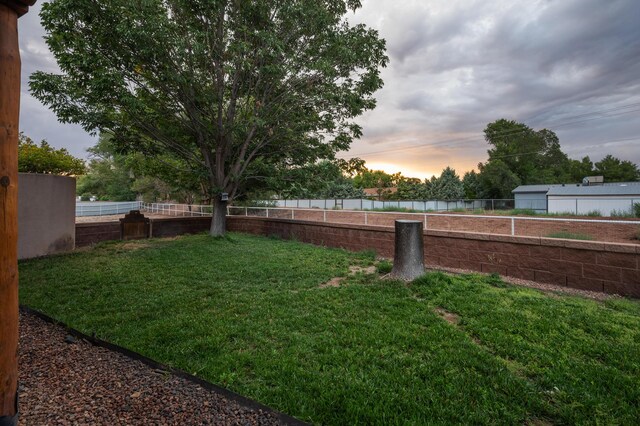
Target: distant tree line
[{"x": 518, "y": 155}]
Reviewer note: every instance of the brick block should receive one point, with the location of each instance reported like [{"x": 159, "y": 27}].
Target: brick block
[
  {"x": 449, "y": 262},
  {"x": 481, "y": 256},
  {"x": 620, "y": 248},
  {"x": 550, "y": 278},
  {"x": 623, "y": 289},
  {"x": 623, "y": 260},
  {"x": 531, "y": 262},
  {"x": 565, "y": 267},
  {"x": 489, "y": 269},
  {"x": 552, "y": 242},
  {"x": 587, "y": 245},
  {"x": 471, "y": 265},
  {"x": 575, "y": 255},
  {"x": 432, "y": 259},
  {"x": 581, "y": 283},
  {"x": 546, "y": 252},
  {"x": 630, "y": 276},
  {"x": 457, "y": 253},
  {"x": 522, "y": 273},
  {"x": 601, "y": 272}
]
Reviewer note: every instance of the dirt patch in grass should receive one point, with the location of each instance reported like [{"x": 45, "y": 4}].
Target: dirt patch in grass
[
  {"x": 449, "y": 317},
  {"x": 368, "y": 270},
  {"x": 333, "y": 282},
  {"x": 134, "y": 245},
  {"x": 353, "y": 270}
]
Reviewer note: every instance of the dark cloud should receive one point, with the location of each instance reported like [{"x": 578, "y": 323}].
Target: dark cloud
[{"x": 456, "y": 65}]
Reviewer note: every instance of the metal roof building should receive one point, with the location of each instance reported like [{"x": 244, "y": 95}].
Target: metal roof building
[{"x": 607, "y": 199}]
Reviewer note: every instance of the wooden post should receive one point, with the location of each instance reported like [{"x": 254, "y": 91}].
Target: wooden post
[{"x": 10, "y": 66}]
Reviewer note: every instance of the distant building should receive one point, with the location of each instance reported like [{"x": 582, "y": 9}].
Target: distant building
[
  {"x": 580, "y": 198},
  {"x": 532, "y": 197},
  {"x": 379, "y": 194}
]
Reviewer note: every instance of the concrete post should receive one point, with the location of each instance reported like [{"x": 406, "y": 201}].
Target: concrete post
[{"x": 408, "y": 262}]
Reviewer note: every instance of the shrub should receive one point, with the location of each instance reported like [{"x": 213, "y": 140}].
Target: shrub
[
  {"x": 621, "y": 213},
  {"x": 594, "y": 213},
  {"x": 636, "y": 209}
]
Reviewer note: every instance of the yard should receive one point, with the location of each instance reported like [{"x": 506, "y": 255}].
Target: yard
[{"x": 256, "y": 316}]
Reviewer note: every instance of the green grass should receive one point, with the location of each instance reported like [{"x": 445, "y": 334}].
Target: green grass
[
  {"x": 570, "y": 236},
  {"x": 248, "y": 313}
]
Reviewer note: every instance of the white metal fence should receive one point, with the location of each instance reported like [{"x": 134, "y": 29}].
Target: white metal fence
[
  {"x": 98, "y": 208},
  {"x": 506, "y": 225},
  {"x": 416, "y": 205},
  {"x": 170, "y": 209}
]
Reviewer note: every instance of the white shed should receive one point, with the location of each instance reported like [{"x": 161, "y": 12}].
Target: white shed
[
  {"x": 532, "y": 197},
  {"x": 606, "y": 199}
]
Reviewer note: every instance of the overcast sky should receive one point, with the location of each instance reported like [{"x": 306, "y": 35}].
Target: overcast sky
[{"x": 572, "y": 66}]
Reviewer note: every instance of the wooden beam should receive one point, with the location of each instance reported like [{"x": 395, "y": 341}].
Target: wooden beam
[{"x": 10, "y": 67}]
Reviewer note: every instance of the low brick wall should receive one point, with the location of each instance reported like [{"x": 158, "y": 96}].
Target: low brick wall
[
  {"x": 587, "y": 265},
  {"x": 95, "y": 232},
  {"x": 173, "y": 226},
  {"x": 92, "y": 233}
]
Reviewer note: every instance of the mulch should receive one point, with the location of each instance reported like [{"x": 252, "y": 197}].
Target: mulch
[{"x": 66, "y": 380}]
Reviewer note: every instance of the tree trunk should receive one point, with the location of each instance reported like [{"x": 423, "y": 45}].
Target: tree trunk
[
  {"x": 219, "y": 219},
  {"x": 9, "y": 114}
]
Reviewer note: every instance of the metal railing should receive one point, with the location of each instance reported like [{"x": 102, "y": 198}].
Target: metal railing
[
  {"x": 506, "y": 225},
  {"x": 99, "y": 208},
  {"x": 418, "y": 205},
  {"x": 171, "y": 209}
]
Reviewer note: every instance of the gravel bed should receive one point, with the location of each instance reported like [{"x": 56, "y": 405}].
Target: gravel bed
[{"x": 66, "y": 381}]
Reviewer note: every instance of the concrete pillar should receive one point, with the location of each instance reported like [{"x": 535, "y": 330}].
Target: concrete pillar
[{"x": 408, "y": 262}]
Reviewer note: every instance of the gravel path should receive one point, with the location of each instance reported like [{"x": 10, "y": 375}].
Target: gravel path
[{"x": 65, "y": 381}]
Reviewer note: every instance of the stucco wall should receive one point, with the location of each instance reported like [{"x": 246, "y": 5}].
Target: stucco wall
[{"x": 46, "y": 214}]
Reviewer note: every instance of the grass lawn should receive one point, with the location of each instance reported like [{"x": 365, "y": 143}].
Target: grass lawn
[{"x": 249, "y": 313}]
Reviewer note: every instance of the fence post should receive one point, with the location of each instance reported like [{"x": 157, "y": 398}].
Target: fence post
[
  {"x": 324, "y": 215},
  {"x": 267, "y": 212},
  {"x": 493, "y": 207},
  {"x": 425, "y": 220},
  {"x": 246, "y": 211},
  {"x": 513, "y": 226},
  {"x": 293, "y": 215}
]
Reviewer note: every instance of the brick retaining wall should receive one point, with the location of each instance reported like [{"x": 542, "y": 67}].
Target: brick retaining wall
[
  {"x": 587, "y": 265},
  {"x": 92, "y": 233}
]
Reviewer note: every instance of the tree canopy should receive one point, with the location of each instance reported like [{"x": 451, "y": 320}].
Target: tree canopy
[
  {"x": 533, "y": 156},
  {"x": 43, "y": 158},
  {"x": 220, "y": 84}
]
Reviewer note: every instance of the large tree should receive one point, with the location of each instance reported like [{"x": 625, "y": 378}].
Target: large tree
[
  {"x": 446, "y": 187},
  {"x": 533, "y": 155},
  {"x": 222, "y": 84},
  {"x": 615, "y": 170}
]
